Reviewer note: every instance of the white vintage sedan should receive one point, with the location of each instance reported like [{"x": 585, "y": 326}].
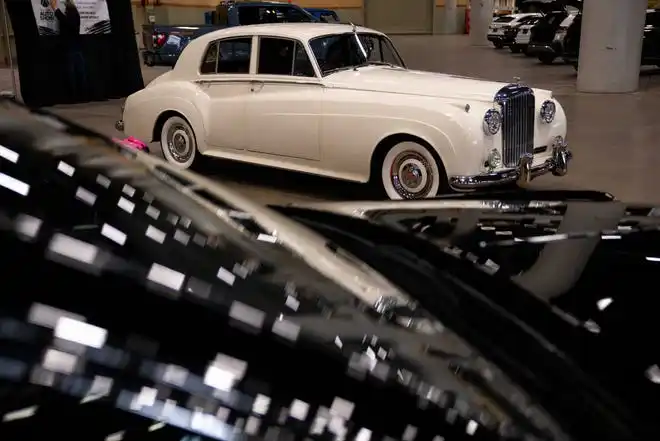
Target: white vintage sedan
[{"x": 337, "y": 101}]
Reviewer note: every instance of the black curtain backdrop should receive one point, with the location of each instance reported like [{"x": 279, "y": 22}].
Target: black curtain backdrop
[{"x": 111, "y": 60}]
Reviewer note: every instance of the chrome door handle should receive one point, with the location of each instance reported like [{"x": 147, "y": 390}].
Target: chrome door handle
[{"x": 256, "y": 86}]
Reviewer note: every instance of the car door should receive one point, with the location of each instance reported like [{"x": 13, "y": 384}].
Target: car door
[
  {"x": 225, "y": 81},
  {"x": 285, "y": 104}
]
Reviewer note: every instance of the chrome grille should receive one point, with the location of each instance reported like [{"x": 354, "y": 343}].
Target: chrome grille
[{"x": 518, "y": 116}]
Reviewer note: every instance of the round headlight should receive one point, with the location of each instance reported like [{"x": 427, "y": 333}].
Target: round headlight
[
  {"x": 492, "y": 122},
  {"x": 548, "y": 111}
]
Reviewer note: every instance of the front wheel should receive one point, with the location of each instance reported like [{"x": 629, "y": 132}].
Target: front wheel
[
  {"x": 498, "y": 45},
  {"x": 177, "y": 140},
  {"x": 515, "y": 49},
  {"x": 410, "y": 171}
]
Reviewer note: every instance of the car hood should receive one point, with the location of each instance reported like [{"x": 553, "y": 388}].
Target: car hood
[{"x": 414, "y": 82}]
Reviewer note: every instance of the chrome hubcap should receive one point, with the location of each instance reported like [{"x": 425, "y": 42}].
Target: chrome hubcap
[
  {"x": 411, "y": 175},
  {"x": 179, "y": 143}
]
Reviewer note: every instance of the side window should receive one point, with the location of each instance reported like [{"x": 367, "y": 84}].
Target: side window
[
  {"x": 234, "y": 55},
  {"x": 302, "y": 66},
  {"x": 210, "y": 60},
  {"x": 275, "y": 56},
  {"x": 278, "y": 56}
]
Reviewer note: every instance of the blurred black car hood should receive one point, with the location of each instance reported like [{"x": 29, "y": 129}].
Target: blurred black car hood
[
  {"x": 591, "y": 259},
  {"x": 132, "y": 306}
]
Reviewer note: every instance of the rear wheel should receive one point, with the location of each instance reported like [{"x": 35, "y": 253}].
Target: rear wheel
[
  {"x": 498, "y": 45},
  {"x": 515, "y": 49},
  {"x": 547, "y": 58},
  {"x": 178, "y": 142},
  {"x": 410, "y": 171}
]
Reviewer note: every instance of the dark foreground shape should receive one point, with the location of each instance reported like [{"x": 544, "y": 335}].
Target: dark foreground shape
[{"x": 141, "y": 301}]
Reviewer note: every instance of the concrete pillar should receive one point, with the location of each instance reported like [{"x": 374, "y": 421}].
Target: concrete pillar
[
  {"x": 611, "y": 45},
  {"x": 481, "y": 15},
  {"x": 450, "y": 25}
]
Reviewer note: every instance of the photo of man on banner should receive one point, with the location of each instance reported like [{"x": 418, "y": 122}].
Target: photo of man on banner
[
  {"x": 87, "y": 47},
  {"x": 69, "y": 32},
  {"x": 92, "y": 16}
]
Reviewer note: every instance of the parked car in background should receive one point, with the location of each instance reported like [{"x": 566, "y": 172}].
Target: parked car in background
[
  {"x": 167, "y": 42},
  {"x": 650, "y": 44},
  {"x": 544, "y": 41},
  {"x": 326, "y": 15},
  {"x": 521, "y": 41},
  {"x": 184, "y": 310},
  {"x": 319, "y": 99},
  {"x": 502, "y": 31},
  {"x": 163, "y": 44}
]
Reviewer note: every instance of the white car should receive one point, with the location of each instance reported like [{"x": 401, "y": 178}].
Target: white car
[
  {"x": 521, "y": 41},
  {"x": 502, "y": 31},
  {"x": 337, "y": 101}
]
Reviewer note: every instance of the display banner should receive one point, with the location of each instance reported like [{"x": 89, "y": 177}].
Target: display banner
[
  {"x": 74, "y": 56},
  {"x": 92, "y": 15}
]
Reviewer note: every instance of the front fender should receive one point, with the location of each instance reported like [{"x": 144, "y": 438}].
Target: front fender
[{"x": 351, "y": 134}]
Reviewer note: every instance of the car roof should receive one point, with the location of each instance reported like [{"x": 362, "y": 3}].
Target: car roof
[{"x": 302, "y": 31}]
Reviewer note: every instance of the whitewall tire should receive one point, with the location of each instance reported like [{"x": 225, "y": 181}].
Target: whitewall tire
[
  {"x": 177, "y": 140},
  {"x": 410, "y": 171}
]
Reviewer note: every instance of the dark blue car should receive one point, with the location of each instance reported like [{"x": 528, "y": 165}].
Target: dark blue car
[
  {"x": 327, "y": 15},
  {"x": 163, "y": 44}
]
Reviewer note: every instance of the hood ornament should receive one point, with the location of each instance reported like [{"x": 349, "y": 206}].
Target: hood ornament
[{"x": 516, "y": 80}]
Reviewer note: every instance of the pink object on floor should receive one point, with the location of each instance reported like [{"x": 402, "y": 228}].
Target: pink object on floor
[{"x": 132, "y": 143}]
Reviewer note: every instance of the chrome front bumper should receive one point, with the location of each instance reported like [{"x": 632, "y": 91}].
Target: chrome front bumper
[{"x": 521, "y": 175}]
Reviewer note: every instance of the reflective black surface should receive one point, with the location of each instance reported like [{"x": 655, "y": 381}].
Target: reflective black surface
[
  {"x": 586, "y": 262},
  {"x": 139, "y": 303},
  {"x": 136, "y": 304}
]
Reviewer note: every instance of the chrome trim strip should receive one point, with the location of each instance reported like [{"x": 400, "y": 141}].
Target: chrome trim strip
[
  {"x": 253, "y": 80},
  {"x": 557, "y": 165}
]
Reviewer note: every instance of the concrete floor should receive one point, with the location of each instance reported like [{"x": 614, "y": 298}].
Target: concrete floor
[{"x": 614, "y": 137}]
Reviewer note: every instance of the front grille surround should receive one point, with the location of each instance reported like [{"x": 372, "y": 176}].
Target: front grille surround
[{"x": 518, "y": 105}]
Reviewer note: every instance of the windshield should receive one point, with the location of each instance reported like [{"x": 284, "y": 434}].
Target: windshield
[
  {"x": 506, "y": 19},
  {"x": 351, "y": 50},
  {"x": 330, "y": 17},
  {"x": 251, "y": 14}
]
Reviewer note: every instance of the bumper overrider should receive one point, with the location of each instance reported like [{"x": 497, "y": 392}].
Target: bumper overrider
[
  {"x": 521, "y": 175},
  {"x": 504, "y": 39},
  {"x": 542, "y": 48}
]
